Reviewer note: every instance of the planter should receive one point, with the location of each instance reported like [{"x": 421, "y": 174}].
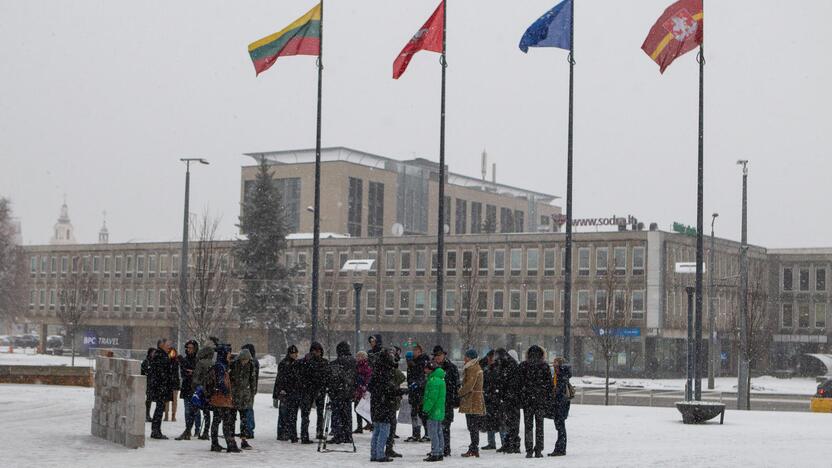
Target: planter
[{"x": 698, "y": 412}]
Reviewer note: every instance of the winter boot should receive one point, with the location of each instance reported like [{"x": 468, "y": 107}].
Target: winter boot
[
  {"x": 390, "y": 453},
  {"x": 232, "y": 447},
  {"x": 185, "y": 435},
  {"x": 216, "y": 447},
  {"x": 470, "y": 453},
  {"x": 206, "y": 433},
  {"x": 245, "y": 445}
]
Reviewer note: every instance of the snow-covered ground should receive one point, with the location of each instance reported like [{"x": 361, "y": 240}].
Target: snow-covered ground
[
  {"x": 49, "y": 426},
  {"x": 764, "y": 384},
  {"x": 29, "y": 357}
]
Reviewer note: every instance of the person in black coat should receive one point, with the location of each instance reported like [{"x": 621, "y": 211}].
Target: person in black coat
[
  {"x": 383, "y": 403},
  {"x": 287, "y": 393},
  {"x": 144, "y": 368},
  {"x": 416, "y": 381},
  {"x": 314, "y": 377},
  {"x": 376, "y": 347},
  {"x": 491, "y": 421},
  {"x": 508, "y": 400},
  {"x": 187, "y": 364},
  {"x": 536, "y": 396},
  {"x": 160, "y": 385},
  {"x": 561, "y": 404},
  {"x": 451, "y": 395},
  {"x": 341, "y": 392}
]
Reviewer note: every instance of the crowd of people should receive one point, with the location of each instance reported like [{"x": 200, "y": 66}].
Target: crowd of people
[
  {"x": 214, "y": 386},
  {"x": 490, "y": 391}
]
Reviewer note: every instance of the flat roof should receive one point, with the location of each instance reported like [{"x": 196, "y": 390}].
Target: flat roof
[{"x": 374, "y": 161}]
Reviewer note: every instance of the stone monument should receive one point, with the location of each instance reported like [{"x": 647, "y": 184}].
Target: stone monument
[{"x": 118, "y": 413}]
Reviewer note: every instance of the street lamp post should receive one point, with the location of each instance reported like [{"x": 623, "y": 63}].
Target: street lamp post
[
  {"x": 691, "y": 357},
  {"x": 743, "y": 368},
  {"x": 183, "y": 265},
  {"x": 359, "y": 268},
  {"x": 712, "y": 354}
]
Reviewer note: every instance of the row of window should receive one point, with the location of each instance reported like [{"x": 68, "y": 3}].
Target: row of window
[
  {"x": 808, "y": 315},
  {"x": 119, "y": 298},
  {"x": 406, "y": 302},
  {"x": 405, "y": 262},
  {"x": 803, "y": 279},
  {"x": 127, "y": 264}
]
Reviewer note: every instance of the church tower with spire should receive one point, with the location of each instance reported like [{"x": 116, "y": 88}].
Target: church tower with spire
[
  {"x": 104, "y": 234},
  {"x": 63, "y": 233}
]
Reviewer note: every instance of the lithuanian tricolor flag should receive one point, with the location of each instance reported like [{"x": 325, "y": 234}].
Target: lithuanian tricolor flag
[{"x": 302, "y": 37}]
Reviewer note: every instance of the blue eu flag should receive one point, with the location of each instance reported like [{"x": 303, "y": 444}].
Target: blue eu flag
[{"x": 553, "y": 29}]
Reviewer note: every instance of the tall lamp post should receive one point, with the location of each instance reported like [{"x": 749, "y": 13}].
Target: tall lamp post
[
  {"x": 712, "y": 355},
  {"x": 742, "y": 371},
  {"x": 359, "y": 268},
  {"x": 183, "y": 266}
]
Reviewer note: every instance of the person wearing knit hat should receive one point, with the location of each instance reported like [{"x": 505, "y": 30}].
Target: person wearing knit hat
[
  {"x": 452, "y": 393},
  {"x": 287, "y": 395},
  {"x": 471, "y": 401}
]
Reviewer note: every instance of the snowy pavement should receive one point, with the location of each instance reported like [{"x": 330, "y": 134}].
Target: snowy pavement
[
  {"x": 763, "y": 384},
  {"x": 50, "y": 426},
  {"x": 29, "y": 357}
]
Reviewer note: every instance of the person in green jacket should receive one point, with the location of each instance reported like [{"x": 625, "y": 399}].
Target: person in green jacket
[{"x": 433, "y": 405}]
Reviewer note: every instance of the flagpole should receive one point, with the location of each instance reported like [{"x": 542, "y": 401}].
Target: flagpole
[
  {"x": 567, "y": 280},
  {"x": 440, "y": 244},
  {"x": 316, "y": 237},
  {"x": 697, "y": 368}
]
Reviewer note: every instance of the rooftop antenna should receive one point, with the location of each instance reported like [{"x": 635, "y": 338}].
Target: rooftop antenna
[
  {"x": 494, "y": 173},
  {"x": 484, "y": 165}
]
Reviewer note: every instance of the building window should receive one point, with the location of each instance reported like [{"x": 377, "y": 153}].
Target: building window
[
  {"x": 601, "y": 304},
  {"x": 638, "y": 305},
  {"x": 104, "y": 300},
  {"x": 519, "y": 223},
  {"x": 128, "y": 298},
  {"x": 420, "y": 262},
  {"x": 787, "y": 316},
  {"x": 788, "y": 279},
  {"x": 601, "y": 260},
  {"x": 548, "y": 303},
  {"x": 450, "y": 302},
  {"x": 140, "y": 265},
  {"x": 619, "y": 304},
  {"x": 419, "y": 302},
  {"x": 375, "y": 210},
  {"x": 447, "y": 213},
  {"x": 532, "y": 261},
  {"x": 450, "y": 264},
  {"x": 151, "y": 297},
  {"x": 404, "y": 267},
  {"x": 139, "y": 298},
  {"x": 163, "y": 263},
  {"x": 389, "y": 302},
  {"x": 476, "y": 217},
  {"x": 65, "y": 264},
  {"x": 329, "y": 262},
  {"x": 342, "y": 302},
  {"x": 467, "y": 262},
  {"x": 354, "y": 204},
  {"x": 53, "y": 265},
  {"x": 620, "y": 260},
  {"x": 33, "y": 264},
  {"x": 482, "y": 262},
  {"x": 499, "y": 262},
  {"x": 434, "y": 263},
  {"x": 506, "y": 220},
  {"x": 33, "y": 294},
  {"x": 343, "y": 257},
  {"x": 301, "y": 264},
  {"x": 432, "y": 296},
  {"x": 151, "y": 264},
  {"x": 116, "y": 299},
  {"x": 638, "y": 260},
  {"x": 490, "y": 224},
  {"x": 328, "y": 300},
  {"x": 96, "y": 264},
  {"x": 803, "y": 316},
  {"x": 163, "y": 299},
  {"x": 583, "y": 261},
  {"x": 482, "y": 304},
  {"x": 128, "y": 265},
  {"x": 514, "y": 298},
  {"x": 404, "y": 302},
  {"x": 531, "y": 305},
  {"x": 461, "y": 219},
  {"x": 390, "y": 263},
  {"x": 549, "y": 262},
  {"x": 820, "y": 279},
  {"x": 583, "y": 304},
  {"x": 498, "y": 303},
  {"x": 804, "y": 279},
  {"x": 75, "y": 265},
  {"x": 516, "y": 261},
  {"x": 371, "y": 302},
  {"x": 820, "y": 315}
]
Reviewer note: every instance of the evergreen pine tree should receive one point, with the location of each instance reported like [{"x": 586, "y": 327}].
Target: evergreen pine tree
[{"x": 268, "y": 296}]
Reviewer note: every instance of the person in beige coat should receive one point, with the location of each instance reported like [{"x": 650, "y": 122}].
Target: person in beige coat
[{"x": 471, "y": 400}]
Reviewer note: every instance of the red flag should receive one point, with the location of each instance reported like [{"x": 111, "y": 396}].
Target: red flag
[
  {"x": 429, "y": 37},
  {"x": 678, "y": 31}
]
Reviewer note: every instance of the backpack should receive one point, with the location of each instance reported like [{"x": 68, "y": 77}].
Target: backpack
[
  {"x": 198, "y": 399},
  {"x": 570, "y": 391}
]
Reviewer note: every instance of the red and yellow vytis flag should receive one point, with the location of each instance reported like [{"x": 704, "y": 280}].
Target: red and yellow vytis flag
[{"x": 678, "y": 31}]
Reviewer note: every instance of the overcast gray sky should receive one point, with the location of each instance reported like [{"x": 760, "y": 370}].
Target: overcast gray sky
[{"x": 100, "y": 99}]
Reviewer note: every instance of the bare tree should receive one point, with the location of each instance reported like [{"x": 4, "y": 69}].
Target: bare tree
[
  {"x": 209, "y": 293},
  {"x": 606, "y": 319},
  {"x": 76, "y": 296},
  {"x": 328, "y": 319},
  {"x": 12, "y": 267},
  {"x": 761, "y": 324},
  {"x": 471, "y": 323}
]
